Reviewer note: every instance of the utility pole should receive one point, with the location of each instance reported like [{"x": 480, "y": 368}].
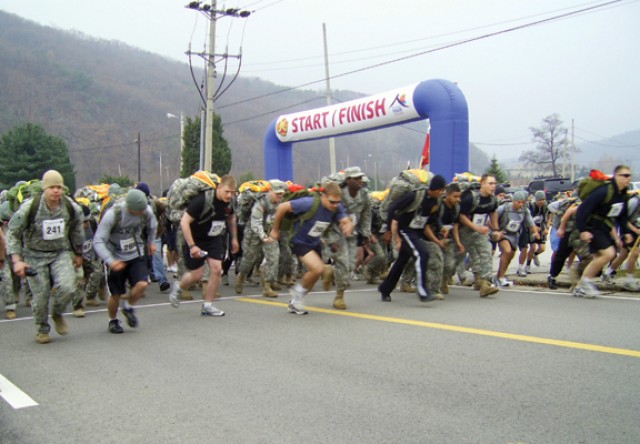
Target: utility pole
[
  {"x": 332, "y": 140},
  {"x": 212, "y": 12},
  {"x": 139, "y": 170}
]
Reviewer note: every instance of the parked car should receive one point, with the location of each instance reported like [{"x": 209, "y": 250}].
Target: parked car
[{"x": 551, "y": 187}]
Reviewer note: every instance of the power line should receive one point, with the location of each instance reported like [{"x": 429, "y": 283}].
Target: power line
[{"x": 440, "y": 48}]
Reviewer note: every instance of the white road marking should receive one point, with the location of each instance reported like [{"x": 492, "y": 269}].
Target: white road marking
[{"x": 14, "y": 396}]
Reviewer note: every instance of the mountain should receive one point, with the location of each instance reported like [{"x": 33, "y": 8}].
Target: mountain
[{"x": 97, "y": 95}]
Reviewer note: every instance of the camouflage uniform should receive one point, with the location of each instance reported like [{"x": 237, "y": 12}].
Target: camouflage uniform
[
  {"x": 46, "y": 245},
  {"x": 92, "y": 271},
  {"x": 253, "y": 244}
]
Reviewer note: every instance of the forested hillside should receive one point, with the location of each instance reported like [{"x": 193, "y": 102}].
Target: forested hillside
[{"x": 98, "y": 95}]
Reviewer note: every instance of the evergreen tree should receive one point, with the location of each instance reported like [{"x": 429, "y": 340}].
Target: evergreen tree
[
  {"x": 220, "y": 156},
  {"x": 27, "y": 152},
  {"x": 123, "y": 181},
  {"x": 495, "y": 170}
]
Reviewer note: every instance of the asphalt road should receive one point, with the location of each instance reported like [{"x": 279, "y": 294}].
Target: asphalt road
[{"x": 526, "y": 366}]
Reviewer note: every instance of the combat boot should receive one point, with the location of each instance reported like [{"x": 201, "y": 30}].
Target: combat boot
[
  {"x": 276, "y": 286},
  {"x": 327, "y": 277},
  {"x": 408, "y": 288},
  {"x": 486, "y": 289},
  {"x": 338, "y": 301},
  {"x": 268, "y": 291},
  {"x": 444, "y": 287},
  {"x": 186, "y": 295},
  {"x": 239, "y": 282}
]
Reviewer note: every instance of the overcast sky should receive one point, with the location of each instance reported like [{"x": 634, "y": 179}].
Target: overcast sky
[{"x": 583, "y": 66}]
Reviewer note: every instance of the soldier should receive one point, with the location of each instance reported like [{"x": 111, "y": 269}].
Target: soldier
[
  {"x": 409, "y": 228},
  {"x": 204, "y": 226},
  {"x": 513, "y": 218},
  {"x": 453, "y": 252},
  {"x": 342, "y": 251},
  {"x": 257, "y": 240},
  {"x": 7, "y": 294},
  {"x": 42, "y": 234},
  {"x": 306, "y": 238},
  {"x": 477, "y": 217},
  {"x": 120, "y": 243}
]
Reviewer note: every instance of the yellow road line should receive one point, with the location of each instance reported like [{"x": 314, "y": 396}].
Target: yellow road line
[{"x": 474, "y": 331}]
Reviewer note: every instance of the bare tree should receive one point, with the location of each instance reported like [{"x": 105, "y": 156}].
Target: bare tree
[{"x": 551, "y": 142}]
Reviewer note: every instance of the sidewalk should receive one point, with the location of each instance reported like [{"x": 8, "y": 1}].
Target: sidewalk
[{"x": 538, "y": 276}]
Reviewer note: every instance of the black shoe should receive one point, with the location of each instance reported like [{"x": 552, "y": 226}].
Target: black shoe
[
  {"x": 164, "y": 286},
  {"x": 552, "y": 283},
  {"x": 428, "y": 298},
  {"x": 386, "y": 297},
  {"x": 131, "y": 317},
  {"x": 114, "y": 327}
]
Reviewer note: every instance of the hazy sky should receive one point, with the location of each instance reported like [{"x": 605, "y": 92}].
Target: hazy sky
[{"x": 584, "y": 66}]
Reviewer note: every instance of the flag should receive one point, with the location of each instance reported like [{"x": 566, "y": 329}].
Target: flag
[{"x": 426, "y": 152}]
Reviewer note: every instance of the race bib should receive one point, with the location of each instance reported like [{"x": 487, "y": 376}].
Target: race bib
[
  {"x": 128, "y": 245},
  {"x": 615, "y": 210},
  {"x": 354, "y": 218},
  {"x": 318, "y": 228},
  {"x": 418, "y": 222},
  {"x": 513, "y": 226},
  {"x": 52, "y": 229},
  {"x": 479, "y": 219},
  {"x": 217, "y": 228},
  {"x": 86, "y": 246}
]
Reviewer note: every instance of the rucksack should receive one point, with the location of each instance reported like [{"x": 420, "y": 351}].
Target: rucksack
[
  {"x": 109, "y": 201},
  {"x": 250, "y": 192},
  {"x": 592, "y": 182},
  {"x": 290, "y": 219},
  {"x": 21, "y": 191},
  {"x": 564, "y": 205},
  {"x": 183, "y": 190},
  {"x": 35, "y": 204},
  {"x": 406, "y": 182}
]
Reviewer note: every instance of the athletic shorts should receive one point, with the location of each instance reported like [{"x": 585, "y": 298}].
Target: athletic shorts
[
  {"x": 137, "y": 270},
  {"x": 601, "y": 241},
  {"x": 301, "y": 250},
  {"x": 216, "y": 248}
]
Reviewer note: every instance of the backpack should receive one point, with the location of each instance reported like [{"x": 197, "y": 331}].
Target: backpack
[
  {"x": 35, "y": 204},
  {"x": 109, "y": 201},
  {"x": 406, "y": 182},
  {"x": 290, "y": 219},
  {"x": 21, "y": 191},
  {"x": 562, "y": 209},
  {"x": 250, "y": 192},
  {"x": 183, "y": 190},
  {"x": 592, "y": 182}
]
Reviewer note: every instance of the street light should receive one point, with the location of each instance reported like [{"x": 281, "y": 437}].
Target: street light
[{"x": 181, "y": 117}]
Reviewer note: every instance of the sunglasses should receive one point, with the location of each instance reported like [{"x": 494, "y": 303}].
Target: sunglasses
[
  {"x": 627, "y": 175},
  {"x": 334, "y": 202}
]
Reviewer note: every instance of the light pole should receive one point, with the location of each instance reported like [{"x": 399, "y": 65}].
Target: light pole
[{"x": 173, "y": 116}]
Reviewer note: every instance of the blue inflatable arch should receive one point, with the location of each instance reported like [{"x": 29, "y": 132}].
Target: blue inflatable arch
[{"x": 440, "y": 101}]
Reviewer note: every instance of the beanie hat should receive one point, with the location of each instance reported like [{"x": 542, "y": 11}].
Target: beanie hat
[
  {"x": 144, "y": 188},
  {"x": 278, "y": 186},
  {"x": 114, "y": 189},
  {"x": 437, "y": 183},
  {"x": 519, "y": 195},
  {"x": 136, "y": 200},
  {"x": 540, "y": 195},
  {"x": 52, "y": 178},
  {"x": 499, "y": 190}
]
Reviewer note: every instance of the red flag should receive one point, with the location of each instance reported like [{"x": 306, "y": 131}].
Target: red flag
[{"x": 426, "y": 152}]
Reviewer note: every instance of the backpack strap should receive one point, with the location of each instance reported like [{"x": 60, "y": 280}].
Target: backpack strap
[{"x": 308, "y": 215}]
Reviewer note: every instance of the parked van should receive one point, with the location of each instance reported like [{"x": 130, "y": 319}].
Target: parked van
[{"x": 551, "y": 187}]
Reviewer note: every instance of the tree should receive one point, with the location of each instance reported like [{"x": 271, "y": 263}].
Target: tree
[
  {"x": 27, "y": 152},
  {"x": 495, "y": 170},
  {"x": 551, "y": 143},
  {"x": 220, "y": 157},
  {"x": 123, "y": 181}
]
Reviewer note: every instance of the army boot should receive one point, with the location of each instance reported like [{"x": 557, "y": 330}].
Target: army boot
[
  {"x": 268, "y": 291},
  {"x": 327, "y": 277},
  {"x": 486, "y": 289},
  {"x": 239, "y": 282},
  {"x": 338, "y": 301}
]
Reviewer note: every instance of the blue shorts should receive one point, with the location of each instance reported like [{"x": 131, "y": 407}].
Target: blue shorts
[{"x": 136, "y": 270}]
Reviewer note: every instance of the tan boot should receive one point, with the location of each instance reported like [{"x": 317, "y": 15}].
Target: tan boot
[
  {"x": 11, "y": 314},
  {"x": 338, "y": 301},
  {"x": 239, "y": 282},
  {"x": 276, "y": 286},
  {"x": 186, "y": 295},
  {"x": 43, "y": 338},
  {"x": 327, "y": 277},
  {"x": 486, "y": 289},
  {"x": 406, "y": 288},
  {"x": 60, "y": 324},
  {"x": 268, "y": 291},
  {"x": 444, "y": 288}
]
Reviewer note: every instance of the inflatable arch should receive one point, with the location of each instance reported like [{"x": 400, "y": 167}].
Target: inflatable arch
[{"x": 441, "y": 101}]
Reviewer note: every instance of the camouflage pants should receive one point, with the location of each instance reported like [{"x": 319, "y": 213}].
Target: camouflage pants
[
  {"x": 6, "y": 288},
  {"x": 336, "y": 248},
  {"x": 479, "y": 249},
  {"x": 90, "y": 283},
  {"x": 379, "y": 262},
  {"x": 452, "y": 260},
  {"x": 287, "y": 262},
  {"x": 254, "y": 249},
  {"x": 52, "y": 268},
  {"x": 434, "y": 267}
]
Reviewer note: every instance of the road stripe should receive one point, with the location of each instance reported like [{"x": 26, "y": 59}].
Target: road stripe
[
  {"x": 459, "y": 329},
  {"x": 14, "y": 396}
]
